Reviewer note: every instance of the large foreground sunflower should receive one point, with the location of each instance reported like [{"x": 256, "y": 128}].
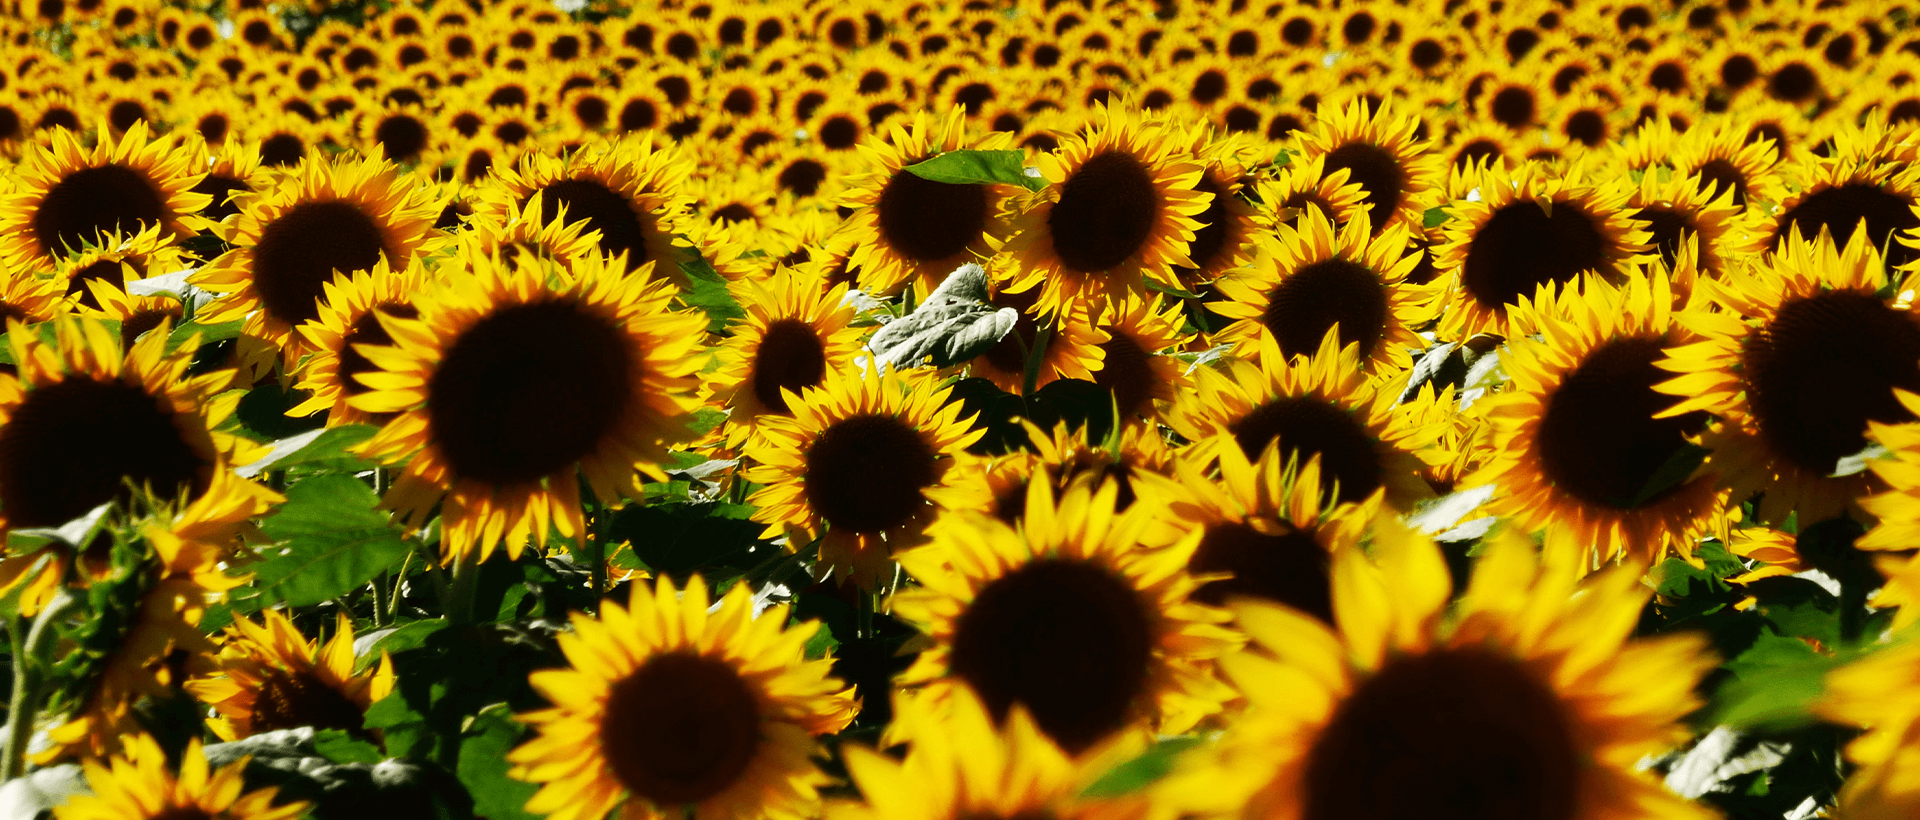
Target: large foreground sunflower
[
  {"x": 673, "y": 706},
  {"x": 852, "y": 464},
  {"x": 1579, "y": 438},
  {"x": 1802, "y": 352},
  {"x": 272, "y": 677},
  {"x": 1068, "y": 615},
  {"x": 512, "y": 381},
  {"x": 1527, "y": 698},
  {"x": 138, "y": 786},
  {"x": 64, "y": 195}
]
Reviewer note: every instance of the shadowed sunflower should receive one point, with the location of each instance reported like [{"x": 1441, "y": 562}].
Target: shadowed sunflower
[
  {"x": 907, "y": 229},
  {"x": 524, "y": 229},
  {"x": 1134, "y": 367},
  {"x": 272, "y": 677},
  {"x": 1378, "y": 150},
  {"x": 512, "y": 381},
  {"x": 851, "y": 466},
  {"x": 669, "y": 707},
  {"x": 64, "y": 195},
  {"x": 963, "y": 766},
  {"x": 1684, "y": 210},
  {"x": 1321, "y": 405},
  {"x": 233, "y": 171},
  {"x": 1120, "y": 210},
  {"x": 1305, "y": 184},
  {"x": 1531, "y": 227},
  {"x": 1225, "y": 238},
  {"x": 322, "y": 217},
  {"x": 1582, "y": 450},
  {"x": 1311, "y": 277},
  {"x": 797, "y": 329},
  {"x": 1067, "y": 615},
  {"x": 1130, "y": 459},
  {"x": 138, "y": 786},
  {"x": 1797, "y": 356},
  {"x": 82, "y": 419},
  {"x": 1723, "y": 160},
  {"x": 117, "y": 259},
  {"x": 349, "y": 316},
  {"x": 1072, "y": 344},
  {"x": 1527, "y": 698},
  {"x": 1876, "y": 187},
  {"x": 32, "y": 299}
]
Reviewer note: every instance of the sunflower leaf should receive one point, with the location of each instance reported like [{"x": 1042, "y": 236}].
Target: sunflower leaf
[
  {"x": 483, "y": 765},
  {"x": 1143, "y": 771},
  {"x": 1856, "y": 463},
  {"x": 1435, "y": 217},
  {"x": 973, "y": 167},
  {"x": 330, "y": 539},
  {"x": 1672, "y": 473},
  {"x": 314, "y": 445},
  {"x": 1774, "y": 685},
  {"x": 954, "y": 324},
  {"x": 708, "y": 292},
  {"x": 208, "y": 333}
]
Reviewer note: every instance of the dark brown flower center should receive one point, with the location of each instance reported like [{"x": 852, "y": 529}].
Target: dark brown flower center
[
  {"x": 1720, "y": 176},
  {"x": 1320, "y": 295},
  {"x": 282, "y": 149},
  {"x": 145, "y": 319},
  {"x": 1211, "y": 238},
  {"x": 289, "y": 700},
  {"x": 1009, "y": 355},
  {"x": 104, "y": 270},
  {"x": 1669, "y": 227},
  {"x": 1823, "y": 367},
  {"x": 401, "y": 137},
  {"x": 1289, "y": 567},
  {"x": 367, "y": 330},
  {"x": 680, "y": 729},
  {"x": 927, "y": 221},
  {"x": 1106, "y": 212},
  {"x": 790, "y": 356},
  {"x": 71, "y": 446},
  {"x": 1453, "y": 734},
  {"x": 604, "y": 210},
  {"x": 1305, "y": 427},
  {"x": 1598, "y": 439},
  {"x": 90, "y": 201},
  {"x": 1127, "y": 372},
  {"x": 220, "y": 188},
  {"x": 1378, "y": 171},
  {"x": 299, "y": 252},
  {"x": 1842, "y": 208},
  {"x": 1070, "y": 640},
  {"x": 865, "y": 473},
  {"x": 1521, "y": 248},
  {"x": 530, "y": 390}
]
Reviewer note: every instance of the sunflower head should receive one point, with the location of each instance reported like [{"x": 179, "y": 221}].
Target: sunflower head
[
  {"x": 67, "y": 195},
  {"x": 272, "y": 677},
  {"x": 797, "y": 329},
  {"x": 137, "y": 785}
]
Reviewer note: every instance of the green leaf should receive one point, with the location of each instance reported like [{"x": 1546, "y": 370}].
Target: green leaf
[
  {"x": 705, "y": 420},
  {"x": 398, "y": 639},
  {"x": 973, "y": 167},
  {"x": 954, "y": 325},
  {"x": 1672, "y": 473},
  {"x": 326, "y": 444},
  {"x": 340, "y": 747},
  {"x": 1435, "y": 217},
  {"x": 707, "y": 290},
  {"x": 1856, "y": 463},
  {"x": 208, "y": 333},
  {"x": 1143, "y": 771},
  {"x": 821, "y": 643},
  {"x": 329, "y": 539},
  {"x": 483, "y": 765},
  {"x": 263, "y": 410},
  {"x": 1775, "y": 683}
]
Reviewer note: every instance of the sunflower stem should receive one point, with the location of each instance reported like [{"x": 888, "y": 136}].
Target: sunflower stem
[
  {"x": 29, "y": 683},
  {"x": 1031, "y": 378},
  {"x": 399, "y": 584},
  {"x": 457, "y": 606}
]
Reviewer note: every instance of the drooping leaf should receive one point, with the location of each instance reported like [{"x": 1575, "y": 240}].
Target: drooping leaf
[
  {"x": 208, "y": 334},
  {"x": 323, "y": 444},
  {"x": 328, "y": 540},
  {"x": 708, "y": 292},
  {"x": 1143, "y": 771},
  {"x": 969, "y": 166},
  {"x": 483, "y": 765}
]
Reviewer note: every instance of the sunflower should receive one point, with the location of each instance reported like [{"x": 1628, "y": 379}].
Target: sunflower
[
  {"x": 964, "y": 766},
  {"x": 525, "y": 230},
  {"x": 139, "y": 314},
  {"x": 1527, "y": 698},
  {"x": 1312, "y": 277},
  {"x": 117, "y": 259},
  {"x": 1873, "y": 693},
  {"x": 1378, "y": 150},
  {"x": 272, "y": 677},
  {"x": 1877, "y": 188},
  {"x": 1072, "y": 344},
  {"x": 323, "y": 217},
  {"x": 1067, "y": 615},
  {"x": 32, "y": 299},
  {"x": 515, "y": 379},
  {"x": 1225, "y": 238},
  {"x": 1321, "y": 405},
  {"x": 1805, "y": 349},
  {"x": 1530, "y": 228},
  {"x": 851, "y": 466},
  {"x": 669, "y": 707},
  {"x": 1135, "y": 459},
  {"x": 350, "y": 316},
  {"x": 65, "y": 195},
  {"x": 1579, "y": 436},
  {"x": 137, "y": 786},
  {"x": 1136, "y": 365},
  {"x": 233, "y": 171},
  {"x": 1305, "y": 184},
  {"x": 398, "y": 134},
  {"x": 1692, "y": 215},
  {"x": 908, "y": 229},
  {"x": 1898, "y": 508},
  {"x": 1724, "y": 159},
  {"x": 797, "y": 329},
  {"x": 1120, "y": 211}
]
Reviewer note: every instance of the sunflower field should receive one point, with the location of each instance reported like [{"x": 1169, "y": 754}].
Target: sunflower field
[{"x": 960, "y": 409}]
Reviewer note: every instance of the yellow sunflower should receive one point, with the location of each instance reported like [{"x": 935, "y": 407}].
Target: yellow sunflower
[
  {"x": 1225, "y": 238},
  {"x": 349, "y": 316},
  {"x": 1873, "y": 693},
  {"x": 1527, "y": 698},
  {"x": 670, "y": 710},
  {"x": 515, "y": 379},
  {"x": 1378, "y": 149},
  {"x": 1876, "y": 186},
  {"x": 1136, "y": 365},
  {"x": 1682, "y": 210},
  {"x": 32, "y": 299},
  {"x": 964, "y": 766},
  {"x": 1068, "y": 615},
  {"x": 64, "y": 195},
  {"x": 117, "y": 259},
  {"x": 1533, "y": 227},
  {"x": 322, "y": 217},
  {"x": 797, "y": 329},
  {"x": 272, "y": 677},
  {"x": 138, "y": 786},
  {"x": 1312, "y": 276},
  {"x": 1321, "y": 405},
  {"x": 1136, "y": 460},
  {"x": 1804, "y": 349},
  {"x": 907, "y": 229},
  {"x": 851, "y": 465},
  {"x": 1120, "y": 211},
  {"x": 1305, "y": 184},
  {"x": 1579, "y": 438},
  {"x": 1072, "y": 344},
  {"x": 524, "y": 229}
]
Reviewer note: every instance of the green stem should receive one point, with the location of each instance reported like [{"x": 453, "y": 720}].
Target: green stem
[
  {"x": 457, "y": 607},
  {"x": 1035, "y": 355},
  {"x": 29, "y": 683},
  {"x": 379, "y": 599},
  {"x": 399, "y": 583}
]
